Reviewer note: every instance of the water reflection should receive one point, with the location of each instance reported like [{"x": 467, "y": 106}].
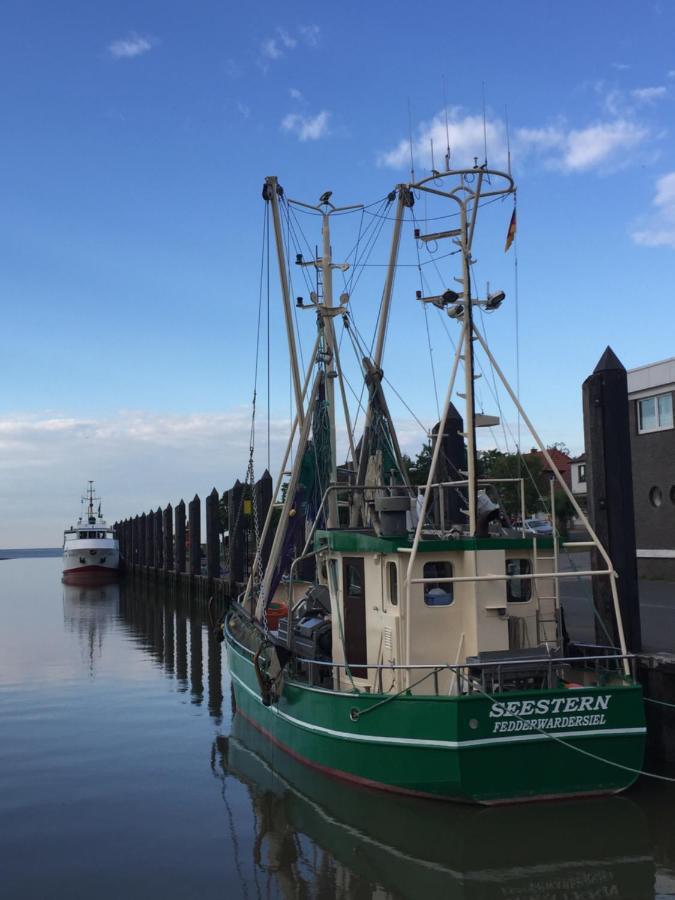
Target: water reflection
[
  {"x": 89, "y": 610},
  {"x": 316, "y": 837},
  {"x": 175, "y": 631}
]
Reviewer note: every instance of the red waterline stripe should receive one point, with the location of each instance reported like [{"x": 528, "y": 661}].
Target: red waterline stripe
[{"x": 339, "y": 775}]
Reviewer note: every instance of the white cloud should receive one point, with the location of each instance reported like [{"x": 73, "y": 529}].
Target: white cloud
[
  {"x": 310, "y": 34},
  {"x": 131, "y": 46},
  {"x": 295, "y": 94},
  {"x": 556, "y": 144},
  {"x": 244, "y": 110},
  {"x": 139, "y": 461},
  {"x": 601, "y": 143},
  {"x": 306, "y": 128},
  {"x": 620, "y": 66},
  {"x": 649, "y": 94},
  {"x": 277, "y": 45},
  {"x": 466, "y": 142},
  {"x": 658, "y": 229},
  {"x": 671, "y": 73}
]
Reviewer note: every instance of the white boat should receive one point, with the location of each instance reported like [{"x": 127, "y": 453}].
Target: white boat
[{"x": 90, "y": 547}]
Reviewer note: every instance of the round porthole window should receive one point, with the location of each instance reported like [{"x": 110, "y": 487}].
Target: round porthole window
[{"x": 656, "y": 497}]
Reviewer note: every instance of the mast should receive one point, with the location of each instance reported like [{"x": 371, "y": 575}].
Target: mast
[
  {"x": 466, "y": 194},
  {"x": 327, "y": 280},
  {"x": 329, "y": 369},
  {"x": 469, "y": 377},
  {"x": 327, "y": 311},
  {"x": 272, "y": 190},
  {"x": 89, "y": 499},
  {"x": 373, "y": 369}
]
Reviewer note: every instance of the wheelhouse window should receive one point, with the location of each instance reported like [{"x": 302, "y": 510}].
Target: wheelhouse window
[
  {"x": 438, "y": 593},
  {"x": 518, "y": 591},
  {"x": 83, "y": 535},
  {"x": 655, "y": 413},
  {"x": 392, "y": 582}
]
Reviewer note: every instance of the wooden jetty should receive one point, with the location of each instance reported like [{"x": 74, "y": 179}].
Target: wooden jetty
[{"x": 164, "y": 546}]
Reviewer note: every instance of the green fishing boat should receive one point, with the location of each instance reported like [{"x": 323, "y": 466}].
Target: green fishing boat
[{"x": 412, "y": 640}]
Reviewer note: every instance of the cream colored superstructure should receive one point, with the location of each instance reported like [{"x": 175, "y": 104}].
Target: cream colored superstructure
[{"x": 480, "y": 617}]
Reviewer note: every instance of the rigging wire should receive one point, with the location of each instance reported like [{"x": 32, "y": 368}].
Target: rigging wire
[{"x": 269, "y": 464}]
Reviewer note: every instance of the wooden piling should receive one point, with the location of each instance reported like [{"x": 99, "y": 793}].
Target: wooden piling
[
  {"x": 263, "y": 499},
  {"x": 236, "y": 550},
  {"x": 142, "y": 540},
  {"x": 159, "y": 540},
  {"x": 609, "y": 478},
  {"x": 195, "y": 526},
  {"x": 167, "y": 560},
  {"x": 212, "y": 531},
  {"x": 179, "y": 517}
]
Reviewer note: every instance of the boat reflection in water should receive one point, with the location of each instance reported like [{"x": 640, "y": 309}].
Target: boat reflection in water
[
  {"x": 89, "y": 609},
  {"x": 316, "y": 837}
]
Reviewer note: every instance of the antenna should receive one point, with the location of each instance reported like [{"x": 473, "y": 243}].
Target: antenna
[
  {"x": 433, "y": 165},
  {"x": 484, "y": 126},
  {"x": 508, "y": 138},
  {"x": 412, "y": 163},
  {"x": 447, "y": 129}
]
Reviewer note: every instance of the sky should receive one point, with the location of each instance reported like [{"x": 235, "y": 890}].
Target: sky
[{"x": 136, "y": 139}]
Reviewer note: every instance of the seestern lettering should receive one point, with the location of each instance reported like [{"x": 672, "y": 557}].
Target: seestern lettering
[{"x": 519, "y": 715}]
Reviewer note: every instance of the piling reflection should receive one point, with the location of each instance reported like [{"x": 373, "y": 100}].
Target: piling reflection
[
  {"x": 89, "y": 610},
  {"x": 173, "y": 630},
  {"x": 316, "y": 837}
]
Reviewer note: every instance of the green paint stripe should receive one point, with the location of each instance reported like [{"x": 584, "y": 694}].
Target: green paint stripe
[{"x": 435, "y": 744}]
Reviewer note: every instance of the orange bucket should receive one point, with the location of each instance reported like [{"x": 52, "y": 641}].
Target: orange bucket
[{"x": 275, "y": 611}]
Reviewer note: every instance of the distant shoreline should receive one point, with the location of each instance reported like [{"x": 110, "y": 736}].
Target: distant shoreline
[{"x": 30, "y": 553}]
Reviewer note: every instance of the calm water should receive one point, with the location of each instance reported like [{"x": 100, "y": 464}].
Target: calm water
[{"x": 123, "y": 774}]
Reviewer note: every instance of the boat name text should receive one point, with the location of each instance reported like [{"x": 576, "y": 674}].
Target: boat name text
[{"x": 518, "y": 709}]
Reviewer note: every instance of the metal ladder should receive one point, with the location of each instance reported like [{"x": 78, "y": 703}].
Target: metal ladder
[{"x": 542, "y": 621}]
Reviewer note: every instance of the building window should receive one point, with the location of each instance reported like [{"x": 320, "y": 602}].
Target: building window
[
  {"x": 518, "y": 591},
  {"x": 392, "y": 578},
  {"x": 582, "y": 472},
  {"x": 655, "y": 413},
  {"x": 438, "y": 593},
  {"x": 655, "y": 497}
]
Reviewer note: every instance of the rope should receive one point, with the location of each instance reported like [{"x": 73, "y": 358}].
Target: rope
[
  {"x": 588, "y": 753},
  {"x": 355, "y": 714},
  {"x": 660, "y": 702}
]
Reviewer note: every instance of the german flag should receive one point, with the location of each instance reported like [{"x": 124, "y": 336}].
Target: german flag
[{"x": 511, "y": 233}]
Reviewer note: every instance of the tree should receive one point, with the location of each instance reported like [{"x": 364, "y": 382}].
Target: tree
[
  {"x": 418, "y": 470},
  {"x": 495, "y": 464}
]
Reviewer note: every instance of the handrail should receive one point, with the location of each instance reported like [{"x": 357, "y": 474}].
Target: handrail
[{"x": 523, "y": 661}]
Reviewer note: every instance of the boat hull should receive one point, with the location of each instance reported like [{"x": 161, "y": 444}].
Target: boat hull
[
  {"x": 85, "y": 562},
  {"x": 463, "y": 748}
]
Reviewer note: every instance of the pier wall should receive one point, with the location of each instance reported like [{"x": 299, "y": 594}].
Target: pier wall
[{"x": 164, "y": 547}]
